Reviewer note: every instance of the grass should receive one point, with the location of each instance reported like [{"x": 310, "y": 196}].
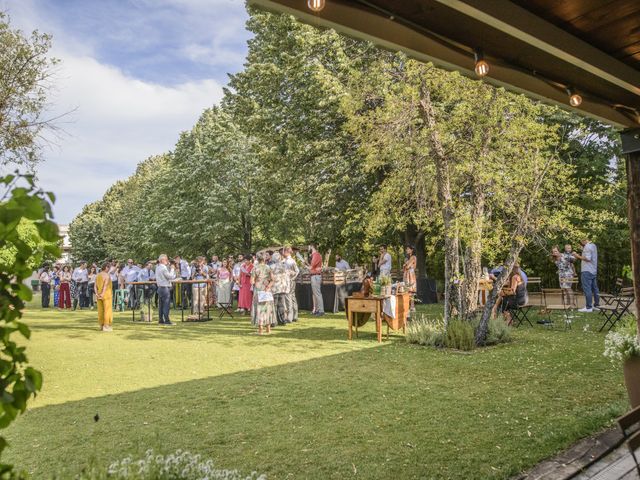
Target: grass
[{"x": 305, "y": 402}]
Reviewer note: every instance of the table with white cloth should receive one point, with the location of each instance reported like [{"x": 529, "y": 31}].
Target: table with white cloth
[{"x": 393, "y": 309}]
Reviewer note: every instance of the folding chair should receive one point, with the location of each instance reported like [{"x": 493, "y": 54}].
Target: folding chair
[
  {"x": 619, "y": 306},
  {"x": 617, "y": 288},
  {"x": 629, "y": 424},
  {"x": 628, "y": 420},
  {"x": 552, "y": 305},
  {"x": 520, "y": 315},
  {"x": 225, "y": 308}
]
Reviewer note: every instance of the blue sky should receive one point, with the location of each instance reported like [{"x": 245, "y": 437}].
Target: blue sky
[{"x": 135, "y": 73}]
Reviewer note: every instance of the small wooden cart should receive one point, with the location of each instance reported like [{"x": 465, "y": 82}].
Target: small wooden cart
[{"x": 359, "y": 309}]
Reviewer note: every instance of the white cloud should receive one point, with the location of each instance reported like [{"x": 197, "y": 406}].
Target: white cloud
[{"x": 118, "y": 122}]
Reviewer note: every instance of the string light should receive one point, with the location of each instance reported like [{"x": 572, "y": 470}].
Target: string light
[
  {"x": 574, "y": 99},
  {"x": 316, "y": 5},
  {"x": 482, "y": 67}
]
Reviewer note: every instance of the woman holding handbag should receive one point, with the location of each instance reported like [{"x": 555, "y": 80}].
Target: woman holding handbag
[{"x": 262, "y": 313}]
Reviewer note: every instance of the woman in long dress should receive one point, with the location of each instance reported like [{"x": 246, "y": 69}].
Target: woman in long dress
[
  {"x": 245, "y": 298},
  {"x": 566, "y": 273},
  {"x": 263, "y": 313},
  {"x": 409, "y": 273},
  {"x": 223, "y": 285},
  {"x": 104, "y": 292},
  {"x": 65, "y": 288}
]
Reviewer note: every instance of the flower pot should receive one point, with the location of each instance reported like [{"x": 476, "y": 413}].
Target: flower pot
[{"x": 632, "y": 380}]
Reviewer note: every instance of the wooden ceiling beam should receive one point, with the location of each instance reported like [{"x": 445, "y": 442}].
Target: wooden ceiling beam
[
  {"x": 353, "y": 20},
  {"x": 519, "y": 23}
]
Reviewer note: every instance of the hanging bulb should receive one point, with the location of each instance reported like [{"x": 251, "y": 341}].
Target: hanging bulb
[
  {"x": 316, "y": 5},
  {"x": 482, "y": 66},
  {"x": 574, "y": 99}
]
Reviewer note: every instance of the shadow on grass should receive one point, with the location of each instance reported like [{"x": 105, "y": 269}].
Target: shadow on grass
[{"x": 382, "y": 412}]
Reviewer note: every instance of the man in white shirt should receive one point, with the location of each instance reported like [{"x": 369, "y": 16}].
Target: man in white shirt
[
  {"x": 341, "y": 263},
  {"x": 81, "y": 277},
  {"x": 45, "y": 286},
  {"x": 291, "y": 302},
  {"x": 384, "y": 261},
  {"x": 589, "y": 274},
  {"x": 130, "y": 274},
  {"x": 164, "y": 276}
]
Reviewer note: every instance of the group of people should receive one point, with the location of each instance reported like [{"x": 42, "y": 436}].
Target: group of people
[
  {"x": 71, "y": 288},
  {"x": 263, "y": 283},
  {"x": 588, "y": 272},
  {"x": 514, "y": 295}
]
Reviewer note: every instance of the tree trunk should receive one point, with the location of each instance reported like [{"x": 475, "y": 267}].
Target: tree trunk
[
  {"x": 443, "y": 181},
  {"x": 517, "y": 242},
  {"x": 473, "y": 253},
  {"x": 483, "y": 328}
]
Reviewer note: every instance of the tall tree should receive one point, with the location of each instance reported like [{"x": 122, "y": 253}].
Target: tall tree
[{"x": 25, "y": 73}]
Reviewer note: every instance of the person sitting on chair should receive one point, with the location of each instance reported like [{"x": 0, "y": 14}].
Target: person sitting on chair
[{"x": 514, "y": 295}]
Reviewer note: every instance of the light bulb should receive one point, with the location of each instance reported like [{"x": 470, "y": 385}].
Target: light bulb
[
  {"x": 575, "y": 100},
  {"x": 316, "y": 5},
  {"x": 482, "y": 66}
]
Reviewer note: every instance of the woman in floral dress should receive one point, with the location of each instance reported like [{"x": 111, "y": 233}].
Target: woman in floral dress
[
  {"x": 566, "y": 273},
  {"x": 263, "y": 313}
]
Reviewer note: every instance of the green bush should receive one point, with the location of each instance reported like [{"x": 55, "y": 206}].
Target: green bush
[
  {"x": 499, "y": 332},
  {"x": 460, "y": 335},
  {"x": 426, "y": 331}
]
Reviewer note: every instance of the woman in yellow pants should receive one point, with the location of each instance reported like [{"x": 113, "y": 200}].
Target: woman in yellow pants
[{"x": 103, "y": 288}]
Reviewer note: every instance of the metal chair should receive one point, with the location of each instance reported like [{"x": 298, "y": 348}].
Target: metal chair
[
  {"x": 618, "y": 307},
  {"x": 120, "y": 300},
  {"x": 607, "y": 298},
  {"x": 551, "y": 305}
]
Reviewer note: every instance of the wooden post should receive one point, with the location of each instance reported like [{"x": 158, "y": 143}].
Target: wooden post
[
  {"x": 631, "y": 147},
  {"x": 633, "y": 199}
]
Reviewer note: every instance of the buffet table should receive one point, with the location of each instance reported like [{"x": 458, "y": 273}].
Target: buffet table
[{"x": 333, "y": 295}]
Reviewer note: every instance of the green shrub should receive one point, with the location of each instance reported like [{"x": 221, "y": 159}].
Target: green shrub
[
  {"x": 460, "y": 335},
  {"x": 499, "y": 332},
  {"x": 426, "y": 331}
]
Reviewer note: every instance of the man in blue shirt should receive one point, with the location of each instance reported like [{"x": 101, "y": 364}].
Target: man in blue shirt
[
  {"x": 588, "y": 275},
  {"x": 185, "y": 274},
  {"x": 147, "y": 274}
]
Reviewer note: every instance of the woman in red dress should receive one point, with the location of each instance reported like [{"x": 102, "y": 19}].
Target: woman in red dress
[{"x": 245, "y": 298}]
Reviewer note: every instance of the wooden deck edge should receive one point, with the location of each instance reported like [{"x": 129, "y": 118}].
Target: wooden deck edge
[{"x": 576, "y": 458}]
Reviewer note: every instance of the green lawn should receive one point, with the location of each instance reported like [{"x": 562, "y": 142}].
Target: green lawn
[{"x": 305, "y": 402}]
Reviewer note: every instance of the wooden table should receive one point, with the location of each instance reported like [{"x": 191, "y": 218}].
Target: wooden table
[
  {"x": 374, "y": 306},
  {"x": 371, "y": 305}
]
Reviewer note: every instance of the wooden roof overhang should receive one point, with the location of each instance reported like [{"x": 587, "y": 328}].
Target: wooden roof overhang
[{"x": 536, "y": 47}]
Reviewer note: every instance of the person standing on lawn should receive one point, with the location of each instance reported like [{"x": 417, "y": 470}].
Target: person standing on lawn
[
  {"x": 64, "y": 298},
  {"x": 103, "y": 289},
  {"x": 315, "y": 270},
  {"x": 45, "y": 286},
  {"x": 164, "y": 276},
  {"x": 588, "y": 275}
]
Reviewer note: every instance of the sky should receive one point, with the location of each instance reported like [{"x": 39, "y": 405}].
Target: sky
[{"x": 133, "y": 75}]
